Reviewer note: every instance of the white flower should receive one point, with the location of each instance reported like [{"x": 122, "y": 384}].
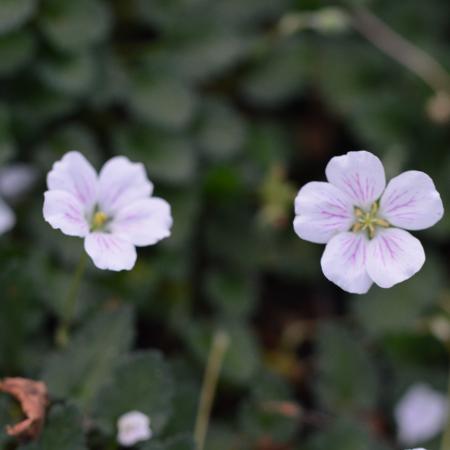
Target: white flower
[
  {"x": 113, "y": 211},
  {"x": 14, "y": 181},
  {"x": 420, "y": 415},
  {"x": 133, "y": 427},
  {"x": 361, "y": 220},
  {"x": 7, "y": 217}
]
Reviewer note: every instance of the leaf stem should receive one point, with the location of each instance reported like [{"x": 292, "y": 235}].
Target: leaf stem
[
  {"x": 219, "y": 347},
  {"x": 63, "y": 331}
]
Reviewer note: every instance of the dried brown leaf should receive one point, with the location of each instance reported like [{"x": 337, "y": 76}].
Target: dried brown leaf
[{"x": 33, "y": 398}]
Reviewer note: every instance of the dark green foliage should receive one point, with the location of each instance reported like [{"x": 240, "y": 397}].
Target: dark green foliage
[
  {"x": 142, "y": 382},
  {"x": 232, "y": 106},
  {"x": 64, "y": 429},
  {"x": 79, "y": 371}
]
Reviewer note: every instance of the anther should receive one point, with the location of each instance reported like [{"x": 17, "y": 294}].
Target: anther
[{"x": 99, "y": 219}]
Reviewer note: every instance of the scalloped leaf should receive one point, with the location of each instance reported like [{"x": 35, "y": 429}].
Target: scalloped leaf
[
  {"x": 75, "y": 25},
  {"x": 85, "y": 366},
  {"x": 63, "y": 430},
  {"x": 14, "y": 13},
  {"x": 141, "y": 382}
]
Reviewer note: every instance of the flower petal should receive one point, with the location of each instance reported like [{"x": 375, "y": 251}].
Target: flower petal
[
  {"x": 7, "y": 217},
  {"x": 322, "y": 211},
  {"x": 144, "y": 222},
  {"x": 122, "y": 182},
  {"x": 110, "y": 251},
  {"x": 344, "y": 262},
  {"x": 393, "y": 256},
  {"x": 411, "y": 201},
  {"x": 360, "y": 175},
  {"x": 74, "y": 174},
  {"x": 62, "y": 210},
  {"x": 133, "y": 427}
]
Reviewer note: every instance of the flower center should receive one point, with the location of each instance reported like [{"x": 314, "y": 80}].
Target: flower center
[
  {"x": 99, "y": 220},
  {"x": 369, "y": 220}
]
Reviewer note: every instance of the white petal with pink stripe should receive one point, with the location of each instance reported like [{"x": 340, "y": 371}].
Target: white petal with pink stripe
[{"x": 411, "y": 201}]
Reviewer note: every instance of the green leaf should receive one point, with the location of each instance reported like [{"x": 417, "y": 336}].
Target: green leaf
[
  {"x": 169, "y": 157},
  {"x": 16, "y": 49},
  {"x": 73, "y": 75},
  {"x": 164, "y": 102},
  {"x": 185, "y": 207},
  {"x": 185, "y": 399},
  {"x": 221, "y": 132},
  {"x": 249, "y": 12},
  {"x": 257, "y": 417},
  {"x": 278, "y": 77},
  {"x": 207, "y": 53},
  {"x": 344, "y": 434},
  {"x": 234, "y": 295},
  {"x": 75, "y": 136},
  {"x": 141, "y": 382},
  {"x": 79, "y": 371},
  {"x": 63, "y": 430},
  {"x": 186, "y": 403},
  {"x": 7, "y": 145},
  {"x": 39, "y": 106},
  {"x": 8, "y": 413},
  {"x": 175, "y": 443},
  {"x": 111, "y": 83},
  {"x": 347, "y": 378},
  {"x": 397, "y": 309},
  {"x": 224, "y": 183},
  {"x": 75, "y": 25},
  {"x": 257, "y": 421},
  {"x": 14, "y": 13},
  {"x": 220, "y": 436}
]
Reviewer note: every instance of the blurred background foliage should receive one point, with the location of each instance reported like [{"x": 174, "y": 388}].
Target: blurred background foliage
[{"x": 232, "y": 105}]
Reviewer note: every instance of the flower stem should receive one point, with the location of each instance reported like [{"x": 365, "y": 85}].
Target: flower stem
[
  {"x": 445, "y": 444},
  {"x": 69, "y": 307},
  {"x": 219, "y": 347},
  {"x": 400, "y": 49}
]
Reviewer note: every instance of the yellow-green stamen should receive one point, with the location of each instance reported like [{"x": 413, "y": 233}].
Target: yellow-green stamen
[
  {"x": 368, "y": 221},
  {"x": 99, "y": 220}
]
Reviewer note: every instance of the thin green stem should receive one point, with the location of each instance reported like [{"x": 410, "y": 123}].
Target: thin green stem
[
  {"x": 445, "y": 444},
  {"x": 400, "y": 49},
  {"x": 219, "y": 347},
  {"x": 69, "y": 307}
]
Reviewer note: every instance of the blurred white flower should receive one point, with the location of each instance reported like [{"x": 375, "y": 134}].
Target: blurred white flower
[
  {"x": 420, "y": 415},
  {"x": 133, "y": 427},
  {"x": 360, "y": 220},
  {"x": 15, "y": 180},
  {"x": 114, "y": 211},
  {"x": 7, "y": 217}
]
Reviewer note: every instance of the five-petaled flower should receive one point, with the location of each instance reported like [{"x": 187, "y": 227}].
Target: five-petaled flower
[
  {"x": 362, "y": 221},
  {"x": 114, "y": 211},
  {"x": 133, "y": 427}
]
